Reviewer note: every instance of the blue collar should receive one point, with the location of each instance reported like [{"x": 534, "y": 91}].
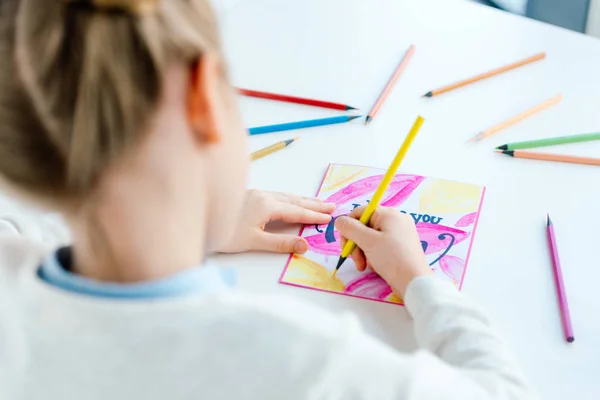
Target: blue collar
[{"x": 55, "y": 270}]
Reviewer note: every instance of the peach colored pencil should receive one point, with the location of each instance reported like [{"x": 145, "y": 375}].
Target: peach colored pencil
[
  {"x": 551, "y": 157},
  {"x": 388, "y": 87},
  {"x": 485, "y": 75},
  {"x": 517, "y": 118}
]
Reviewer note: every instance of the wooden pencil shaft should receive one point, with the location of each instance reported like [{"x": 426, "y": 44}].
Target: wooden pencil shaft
[
  {"x": 260, "y": 130},
  {"x": 530, "y": 144},
  {"x": 294, "y": 99},
  {"x": 268, "y": 150},
  {"x": 560, "y": 286},
  {"x": 489, "y": 74},
  {"x": 385, "y": 182},
  {"x": 520, "y": 117},
  {"x": 392, "y": 81},
  {"x": 557, "y": 157}
]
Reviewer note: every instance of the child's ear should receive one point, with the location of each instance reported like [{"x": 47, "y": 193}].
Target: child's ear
[{"x": 203, "y": 97}]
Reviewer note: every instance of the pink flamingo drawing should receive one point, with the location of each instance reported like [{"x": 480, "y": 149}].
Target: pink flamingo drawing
[{"x": 434, "y": 238}]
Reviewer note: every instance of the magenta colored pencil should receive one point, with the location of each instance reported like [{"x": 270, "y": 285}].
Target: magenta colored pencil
[{"x": 560, "y": 286}]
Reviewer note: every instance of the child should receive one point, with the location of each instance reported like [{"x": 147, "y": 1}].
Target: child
[{"x": 118, "y": 114}]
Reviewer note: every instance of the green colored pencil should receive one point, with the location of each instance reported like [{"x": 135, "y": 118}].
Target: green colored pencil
[{"x": 586, "y": 137}]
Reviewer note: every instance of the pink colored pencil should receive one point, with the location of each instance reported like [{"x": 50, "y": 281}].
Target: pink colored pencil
[
  {"x": 388, "y": 88},
  {"x": 560, "y": 286}
]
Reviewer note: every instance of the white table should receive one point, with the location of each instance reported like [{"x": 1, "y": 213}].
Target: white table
[{"x": 345, "y": 50}]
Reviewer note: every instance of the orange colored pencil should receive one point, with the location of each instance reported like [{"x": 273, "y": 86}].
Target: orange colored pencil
[
  {"x": 551, "y": 157},
  {"x": 388, "y": 87},
  {"x": 485, "y": 75},
  {"x": 517, "y": 118}
]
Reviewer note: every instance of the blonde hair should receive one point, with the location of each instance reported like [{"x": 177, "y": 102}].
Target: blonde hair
[{"x": 84, "y": 78}]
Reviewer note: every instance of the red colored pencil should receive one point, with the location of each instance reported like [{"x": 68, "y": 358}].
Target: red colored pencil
[
  {"x": 391, "y": 83},
  {"x": 294, "y": 99}
]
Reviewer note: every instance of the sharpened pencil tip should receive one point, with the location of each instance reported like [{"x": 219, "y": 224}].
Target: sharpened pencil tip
[
  {"x": 503, "y": 147},
  {"x": 289, "y": 141},
  {"x": 548, "y": 220},
  {"x": 367, "y": 120},
  {"x": 340, "y": 262},
  {"x": 351, "y": 108},
  {"x": 428, "y": 94},
  {"x": 334, "y": 273},
  {"x": 354, "y": 117},
  {"x": 570, "y": 339}
]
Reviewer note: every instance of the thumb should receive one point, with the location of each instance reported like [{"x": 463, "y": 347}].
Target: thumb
[
  {"x": 353, "y": 229},
  {"x": 279, "y": 243}
]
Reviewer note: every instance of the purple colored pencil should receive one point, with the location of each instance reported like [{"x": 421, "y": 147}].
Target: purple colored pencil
[{"x": 560, "y": 286}]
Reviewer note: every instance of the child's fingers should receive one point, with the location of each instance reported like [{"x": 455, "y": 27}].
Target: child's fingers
[
  {"x": 298, "y": 215},
  {"x": 283, "y": 196},
  {"x": 360, "y": 234},
  {"x": 359, "y": 259},
  {"x": 327, "y": 208},
  {"x": 279, "y": 243},
  {"x": 357, "y": 212},
  {"x": 382, "y": 217},
  {"x": 313, "y": 204}
]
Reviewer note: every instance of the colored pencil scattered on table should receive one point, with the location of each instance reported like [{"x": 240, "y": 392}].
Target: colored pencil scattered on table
[
  {"x": 294, "y": 99},
  {"x": 560, "y": 286},
  {"x": 388, "y": 87},
  {"x": 271, "y": 149},
  {"x": 301, "y": 124},
  {"x": 485, "y": 75},
  {"x": 531, "y": 144},
  {"x": 551, "y": 157},
  {"x": 383, "y": 185},
  {"x": 516, "y": 119}
]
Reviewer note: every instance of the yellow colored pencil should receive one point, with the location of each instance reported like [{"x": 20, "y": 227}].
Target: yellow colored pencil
[
  {"x": 517, "y": 118},
  {"x": 383, "y": 186},
  {"x": 271, "y": 149}
]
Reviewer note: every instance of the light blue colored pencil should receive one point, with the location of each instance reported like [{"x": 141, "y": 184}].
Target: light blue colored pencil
[{"x": 259, "y": 130}]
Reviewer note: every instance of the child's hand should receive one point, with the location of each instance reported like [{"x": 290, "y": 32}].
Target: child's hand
[
  {"x": 260, "y": 208},
  {"x": 391, "y": 246}
]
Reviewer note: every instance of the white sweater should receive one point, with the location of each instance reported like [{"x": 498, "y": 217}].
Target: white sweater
[{"x": 57, "y": 345}]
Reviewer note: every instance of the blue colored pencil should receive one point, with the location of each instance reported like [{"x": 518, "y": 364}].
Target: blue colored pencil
[{"x": 259, "y": 130}]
